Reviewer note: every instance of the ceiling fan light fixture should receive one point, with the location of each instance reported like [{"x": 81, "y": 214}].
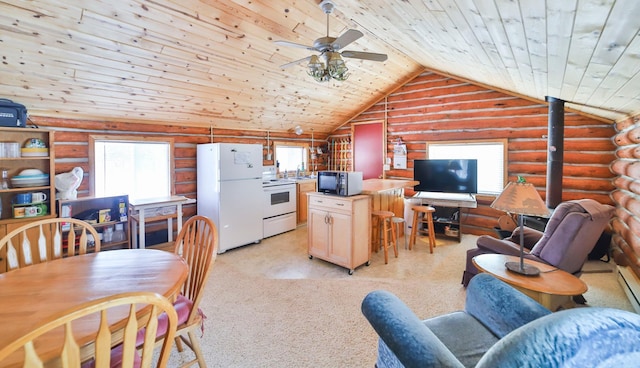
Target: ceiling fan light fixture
[
  {"x": 334, "y": 67},
  {"x": 337, "y": 68},
  {"x": 329, "y": 64},
  {"x": 317, "y": 70}
]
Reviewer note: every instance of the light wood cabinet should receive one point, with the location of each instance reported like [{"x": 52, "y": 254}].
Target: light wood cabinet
[
  {"x": 339, "y": 229},
  {"x": 14, "y": 165},
  {"x": 3, "y": 251},
  {"x": 43, "y": 161},
  {"x": 303, "y": 188}
]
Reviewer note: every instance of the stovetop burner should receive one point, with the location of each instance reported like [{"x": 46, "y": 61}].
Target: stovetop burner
[{"x": 277, "y": 182}]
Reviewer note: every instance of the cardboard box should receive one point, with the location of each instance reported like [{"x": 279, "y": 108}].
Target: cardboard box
[{"x": 104, "y": 215}]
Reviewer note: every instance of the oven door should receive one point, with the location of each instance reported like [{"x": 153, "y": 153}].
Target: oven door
[{"x": 279, "y": 200}]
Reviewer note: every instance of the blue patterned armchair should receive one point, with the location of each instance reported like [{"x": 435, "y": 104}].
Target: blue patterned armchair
[{"x": 501, "y": 327}]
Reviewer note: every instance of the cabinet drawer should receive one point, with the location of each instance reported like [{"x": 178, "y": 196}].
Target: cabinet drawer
[{"x": 331, "y": 203}]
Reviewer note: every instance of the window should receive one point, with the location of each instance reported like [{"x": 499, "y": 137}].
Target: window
[
  {"x": 141, "y": 169},
  {"x": 291, "y": 156},
  {"x": 491, "y": 156}
]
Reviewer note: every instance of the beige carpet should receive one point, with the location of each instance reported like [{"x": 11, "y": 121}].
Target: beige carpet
[{"x": 269, "y": 305}]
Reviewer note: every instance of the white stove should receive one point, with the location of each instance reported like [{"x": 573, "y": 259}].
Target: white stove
[
  {"x": 279, "y": 206},
  {"x": 277, "y": 182}
]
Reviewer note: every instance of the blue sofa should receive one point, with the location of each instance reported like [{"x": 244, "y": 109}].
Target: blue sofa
[{"x": 501, "y": 327}]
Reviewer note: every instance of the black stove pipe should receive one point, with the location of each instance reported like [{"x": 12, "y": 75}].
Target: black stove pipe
[{"x": 555, "y": 151}]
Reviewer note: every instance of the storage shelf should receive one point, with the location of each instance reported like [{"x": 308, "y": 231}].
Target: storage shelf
[
  {"x": 74, "y": 207},
  {"x": 108, "y": 223},
  {"x": 15, "y": 165},
  {"x": 25, "y": 189},
  {"x": 24, "y": 158}
]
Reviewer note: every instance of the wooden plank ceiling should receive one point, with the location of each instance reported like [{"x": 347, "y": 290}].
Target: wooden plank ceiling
[{"x": 215, "y": 63}]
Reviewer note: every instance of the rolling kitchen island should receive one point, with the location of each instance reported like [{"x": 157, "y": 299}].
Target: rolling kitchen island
[{"x": 338, "y": 229}]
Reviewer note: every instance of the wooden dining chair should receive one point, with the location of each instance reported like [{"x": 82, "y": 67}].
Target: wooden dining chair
[
  {"x": 48, "y": 239},
  {"x": 124, "y": 354},
  {"x": 197, "y": 244}
]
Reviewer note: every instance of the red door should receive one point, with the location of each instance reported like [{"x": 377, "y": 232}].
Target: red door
[{"x": 368, "y": 149}]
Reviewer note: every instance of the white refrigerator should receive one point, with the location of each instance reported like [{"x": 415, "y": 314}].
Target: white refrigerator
[{"x": 230, "y": 191}]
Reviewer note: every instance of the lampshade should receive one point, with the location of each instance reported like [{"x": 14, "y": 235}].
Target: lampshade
[
  {"x": 521, "y": 199},
  {"x": 327, "y": 66},
  {"x": 337, "y": 69}
]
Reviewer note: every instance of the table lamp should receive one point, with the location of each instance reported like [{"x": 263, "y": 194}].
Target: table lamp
[{"x": 521, "y": 198}]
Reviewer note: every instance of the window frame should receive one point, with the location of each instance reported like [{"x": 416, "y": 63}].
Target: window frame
[
  {"x": 130, "y": 139},
  {"x": 303, "y": 145},
  {"x": 505, "y": 150}
]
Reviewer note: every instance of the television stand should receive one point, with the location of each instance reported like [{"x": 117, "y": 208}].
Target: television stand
[{"x": 447, "y": 219}]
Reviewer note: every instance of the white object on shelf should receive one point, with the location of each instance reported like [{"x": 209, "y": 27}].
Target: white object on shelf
[
  {"x": 108, "y": 234},
  {"x": 119, "y": 235},
  {"x": 31, "y": 172},
  {"x": 68, "y": 183}
]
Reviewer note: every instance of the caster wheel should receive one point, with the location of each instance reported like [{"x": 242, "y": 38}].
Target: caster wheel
[
  {"x": 368, "y": 263},
  {"x": 310, "y": 256},
  {"x": 350, "y": 272}
]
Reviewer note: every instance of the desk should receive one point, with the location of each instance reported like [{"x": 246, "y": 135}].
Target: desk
[
  {"x": 553, "y": 288},
  {"x": 33, "y": 294},
  {"x": 155, "y": 209}
]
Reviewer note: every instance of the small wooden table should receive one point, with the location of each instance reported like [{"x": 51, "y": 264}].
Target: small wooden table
[
  {"x": 553, "y": 288},
  {"x": 139, "y": 215},
  {"x": 34, "y": 294}
]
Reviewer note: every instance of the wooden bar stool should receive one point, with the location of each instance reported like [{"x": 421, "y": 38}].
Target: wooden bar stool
[
  {"x": 396, "y": 222},
  {"x": 384, "y": 226},
  {"x": 423, "y": 215}
]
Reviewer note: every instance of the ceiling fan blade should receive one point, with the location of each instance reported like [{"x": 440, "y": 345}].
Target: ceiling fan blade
[
  {"x": 284, "y": 66},
  {"x": 346, "y": 38},
  {"x": 293, "y": 44},
  {"x": 364, "y": 55}
]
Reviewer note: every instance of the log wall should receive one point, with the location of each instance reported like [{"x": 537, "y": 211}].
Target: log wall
[
  {"x": 72, "y": 147},
  {"x": 433, "y": 108},
  {"x": 626, "y": 166}
]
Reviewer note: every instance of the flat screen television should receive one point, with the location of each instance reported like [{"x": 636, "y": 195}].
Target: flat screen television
[{"x": 447, "y": 176}]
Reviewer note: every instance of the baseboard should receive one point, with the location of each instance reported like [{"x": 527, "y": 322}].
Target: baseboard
[{"x": 631, "y": 286}]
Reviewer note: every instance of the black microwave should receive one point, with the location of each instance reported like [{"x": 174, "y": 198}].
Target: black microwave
[{"x": 342, "y": 183}]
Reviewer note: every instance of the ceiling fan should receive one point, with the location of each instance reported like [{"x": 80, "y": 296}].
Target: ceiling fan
[{"x": 329, "y": 63}]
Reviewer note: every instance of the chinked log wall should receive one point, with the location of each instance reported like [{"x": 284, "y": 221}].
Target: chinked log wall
[
  {"x": 72, "y": 147},
  {"x": 434, "y": 108},
  {"x": 627, "y": 194}
]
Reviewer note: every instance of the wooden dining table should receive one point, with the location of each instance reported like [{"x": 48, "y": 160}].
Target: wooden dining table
[{"x": 31, "y": 295}]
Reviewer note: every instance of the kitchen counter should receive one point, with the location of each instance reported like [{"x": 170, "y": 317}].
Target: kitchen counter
[
  {"x": 373, "y": 186},
  {"x": 387, "y": 195},
  {"x": 305, "y": 180}
]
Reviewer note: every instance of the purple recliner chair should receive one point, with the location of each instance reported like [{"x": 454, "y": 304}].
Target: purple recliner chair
[{"x": 570, "y": 234}]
